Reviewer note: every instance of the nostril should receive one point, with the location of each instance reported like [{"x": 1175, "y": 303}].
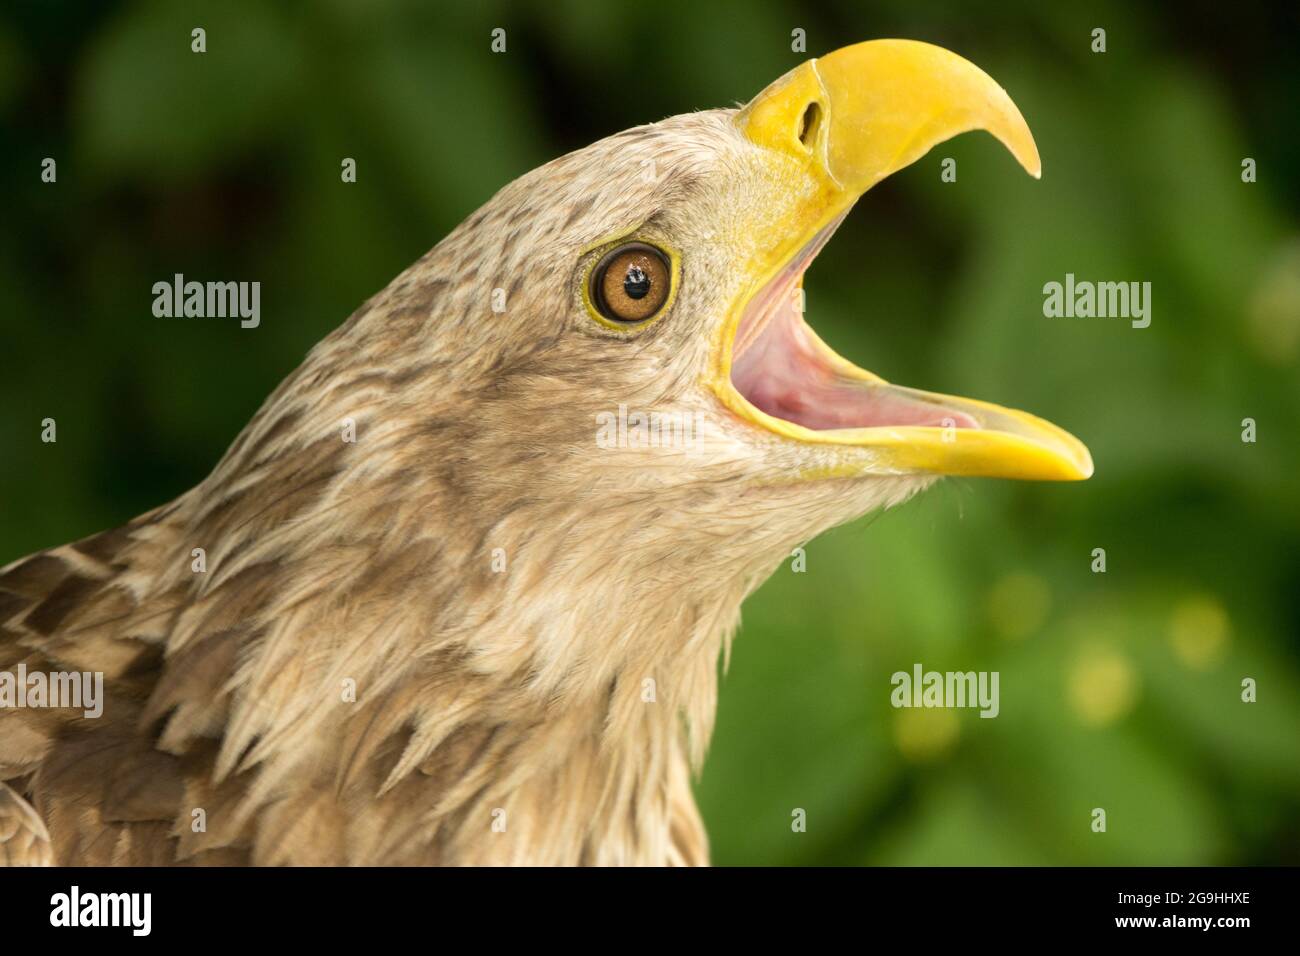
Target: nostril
[{"x": 808, "y": 124}]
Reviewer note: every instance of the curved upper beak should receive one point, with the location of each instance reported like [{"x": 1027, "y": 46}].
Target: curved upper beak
[
  {"x": 867, "y": 110},
  {"x": 850, "y": 119}
]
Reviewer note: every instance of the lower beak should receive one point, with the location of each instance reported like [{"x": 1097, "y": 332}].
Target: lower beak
[
  {"x": 848, "y": 120},
  {"x": 968, "y": 437}
]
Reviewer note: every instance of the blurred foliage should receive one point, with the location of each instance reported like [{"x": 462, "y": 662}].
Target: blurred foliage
[{"x": 1119, "y": 690}]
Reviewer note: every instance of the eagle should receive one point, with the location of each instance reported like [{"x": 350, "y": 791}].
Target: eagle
[{"x": 431, "y": 607}]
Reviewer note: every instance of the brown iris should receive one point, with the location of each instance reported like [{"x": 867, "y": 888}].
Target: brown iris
[{"x": 631, "y": 283}]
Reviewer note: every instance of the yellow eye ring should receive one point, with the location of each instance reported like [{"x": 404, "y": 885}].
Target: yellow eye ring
[{"x": 630, "y": 284}]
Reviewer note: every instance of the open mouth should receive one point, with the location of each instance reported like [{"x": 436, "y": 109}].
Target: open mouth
[
  {"x": 781, "y": 367},
  {"x": 846, "y": 121},
  {"x": 781, "y": 376}
]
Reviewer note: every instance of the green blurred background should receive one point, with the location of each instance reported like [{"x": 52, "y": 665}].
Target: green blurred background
[{"x": 1118, "y": 690}]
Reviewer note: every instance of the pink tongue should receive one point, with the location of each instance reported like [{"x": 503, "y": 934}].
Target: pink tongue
[{"x": 782, "y": 373}]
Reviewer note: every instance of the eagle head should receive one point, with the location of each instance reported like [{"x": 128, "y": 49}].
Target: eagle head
[{"x": 625, "y": 332}]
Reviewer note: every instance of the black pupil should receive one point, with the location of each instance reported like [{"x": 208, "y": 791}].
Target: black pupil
[{"x": 636, "y": 284}]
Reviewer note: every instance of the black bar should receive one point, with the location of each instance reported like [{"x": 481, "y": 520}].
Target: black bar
[{"x": 334, "y": 905}]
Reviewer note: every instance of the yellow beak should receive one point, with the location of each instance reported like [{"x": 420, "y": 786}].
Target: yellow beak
[{"x": 848, "y": 120}]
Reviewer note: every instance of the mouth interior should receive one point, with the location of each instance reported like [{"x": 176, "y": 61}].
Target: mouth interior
[{"x": 781, "y": 368}]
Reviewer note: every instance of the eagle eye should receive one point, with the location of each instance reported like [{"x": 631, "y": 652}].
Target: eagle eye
[{"x": 631, "y": 283}]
